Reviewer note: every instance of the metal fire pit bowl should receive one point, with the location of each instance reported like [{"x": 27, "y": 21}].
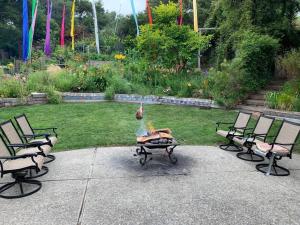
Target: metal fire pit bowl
[{"x": 143, "y": 150}]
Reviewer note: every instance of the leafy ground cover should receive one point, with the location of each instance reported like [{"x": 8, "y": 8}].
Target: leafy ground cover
[{"x": 113, "y": 124}]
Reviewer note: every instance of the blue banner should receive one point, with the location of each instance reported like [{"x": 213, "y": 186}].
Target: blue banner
[
  {"x": 25, "y": 31},
  {"x": 135, "y": 17}
]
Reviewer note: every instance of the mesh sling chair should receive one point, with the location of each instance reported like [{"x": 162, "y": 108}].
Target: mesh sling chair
[
  {"x": 282, "y": 146},
  {"x": 30, "y": 134},
  {"x": 259, "y": 134},
  {"x": 18, "y": 166},
  {"x": 237, "y": 128},
  {"x": 19, "y": 147}
]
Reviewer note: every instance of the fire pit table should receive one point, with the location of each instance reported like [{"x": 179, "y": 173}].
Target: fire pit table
[{"x": 162, "y": 139}]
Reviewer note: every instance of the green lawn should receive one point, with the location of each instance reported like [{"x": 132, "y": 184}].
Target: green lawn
[{"x": 111, "y": 124}]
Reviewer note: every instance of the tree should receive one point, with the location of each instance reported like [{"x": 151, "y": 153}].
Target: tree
[
  {"x": 168, "y": 43},
  {"x": 275, "y": 18}
]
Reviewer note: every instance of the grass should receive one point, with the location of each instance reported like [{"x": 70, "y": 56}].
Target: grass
[{"x": 114, "y": 124}]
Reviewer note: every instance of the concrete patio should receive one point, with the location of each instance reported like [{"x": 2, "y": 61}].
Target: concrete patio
[{"x": 108, "y": 186}]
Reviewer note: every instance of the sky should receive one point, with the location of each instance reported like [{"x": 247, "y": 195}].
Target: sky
[{"x": 123, "y": 6}]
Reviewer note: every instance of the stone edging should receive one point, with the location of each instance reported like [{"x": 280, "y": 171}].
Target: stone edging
[
  {"x": 34, "y": 98},
  {"x": 133, "y": 98},
  {"x": 41, "y": 98}
]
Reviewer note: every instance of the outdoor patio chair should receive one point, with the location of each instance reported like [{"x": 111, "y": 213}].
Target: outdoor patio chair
[
  {"x": 259, "y": 134},
  {"x": 19, "y": 147},
  {"x": 30, "y": 134},
  {"x": 282, "y": 146},
  {"x": 237, "y": 128},
  {"x": 18, "y": 166}
]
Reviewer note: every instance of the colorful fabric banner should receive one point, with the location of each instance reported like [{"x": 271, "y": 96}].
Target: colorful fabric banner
[
  {"x": 47, "y": 48},
  {"x": 149, "y": 12},
  {"x": 33, "y": 21},
  {"x": 181, "y": 13},
  {"x": 135, "y": 17},
  {"x": 72, "y": 33},
  {"x": 195, "y": 16},
  {"x": 62, "y": 30},
  {"x": 25, "y": 31}
]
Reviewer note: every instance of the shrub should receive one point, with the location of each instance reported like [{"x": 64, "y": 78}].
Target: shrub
[
  {"x": 255, "y": 54},
  {"x": 119, "y": 85},
  {"x": 252, "y": 66},
  {"x": 272, "y": 99},
  {"x": 11, "y": 87},
  {"x": 286, "y": 101},
  {"x": 227, "y": 86},
  {"x": 289, "y": 64},
  {"x": 110, "y": 93},
  {"x": 64, "y": 81},
  {"x": 168, "y": 44},
  {"x": 53, "y": 96},
  {"x": 1, "y": 72},
  {"x": 89, "y": 79},
  {"x": 37, "y": 81}
]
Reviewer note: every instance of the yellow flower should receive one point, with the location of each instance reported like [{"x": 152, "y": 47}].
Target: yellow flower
[
  {"x": 10, "y": 65},
  {"x": 120, "y": 57},
  {"x": 189, "y": 84}
]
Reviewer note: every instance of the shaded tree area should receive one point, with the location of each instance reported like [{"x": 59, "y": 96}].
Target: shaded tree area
[{"x": 271, "y": 17}]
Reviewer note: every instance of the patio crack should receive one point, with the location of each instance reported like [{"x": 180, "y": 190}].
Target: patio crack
[{"x": 82, "y": 206}]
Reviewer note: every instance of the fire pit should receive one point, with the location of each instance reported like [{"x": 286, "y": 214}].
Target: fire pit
[
  {"x": 153, "y": 139},
  {"x": 158, "y": 139}
]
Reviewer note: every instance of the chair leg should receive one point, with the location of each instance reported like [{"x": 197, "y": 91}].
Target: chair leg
[
  {"x": 231, "y": 146},
  {"x": 33, "y": 174},
  {"x": 49, "y": 158},
  {"x": 250, "y": 156},
  {"x": 272, "y": 168},
  {"x": 270, "y": 165},
  {"x": 20, "y": 192}
]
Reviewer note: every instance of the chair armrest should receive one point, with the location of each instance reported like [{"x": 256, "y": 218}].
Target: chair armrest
[
  {"x": 219, "y": 123},
  {"x": 48, "y": 128},
  {"x": 19, "y": 156},
  {"x": 36, "y": 135},
  {"x": 27, "y": 145},
  {"x": 277, "y": 143},
  {"x": 223, "y": 123}
]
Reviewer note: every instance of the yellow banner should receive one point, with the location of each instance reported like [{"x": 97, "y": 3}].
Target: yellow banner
[
  {"x": 72, "y": 25},
  {"x": 195, "y": 16}
]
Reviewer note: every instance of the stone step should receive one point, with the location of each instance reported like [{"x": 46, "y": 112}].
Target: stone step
[
  {"x": 278, "y": 82},
  {"x": 257, "y": 97},
  {"x": 263, "y": 92},
  {"x": 274, "y": 87},
  {"x": 255, "y": 102},
  {"x": 251, "y": 109}
]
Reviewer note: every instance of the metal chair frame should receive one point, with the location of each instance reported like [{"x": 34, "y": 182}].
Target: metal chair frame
[
  {"x": 17, "y": 146},
  {"x": 233, "y": 133},
  {"x": 273, "y": 157},
  {"x": 29, "y": 137},
  {"x": 19, "y": 175},
  {"x": 250, "y": 141}
]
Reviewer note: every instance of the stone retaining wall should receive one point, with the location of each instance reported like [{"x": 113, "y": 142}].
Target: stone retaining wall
[
  {"x": 34, "y": 98},
  {"x": 41, "y": 98},
  {"x": 149, "y": 99}
]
